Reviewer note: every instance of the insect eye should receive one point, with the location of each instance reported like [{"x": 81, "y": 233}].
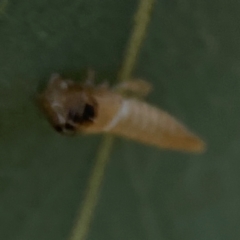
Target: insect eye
[
  {"x": 58, "y": 128},
  {"x": 88, "y": 113},
  {"x": 75, "y": 117},
  {"x": 69, "y": 127}
]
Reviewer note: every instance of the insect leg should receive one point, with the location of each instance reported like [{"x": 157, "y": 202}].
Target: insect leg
[
  {"x": 89, "y": 81},
  {"x": 138, "y": 87}
]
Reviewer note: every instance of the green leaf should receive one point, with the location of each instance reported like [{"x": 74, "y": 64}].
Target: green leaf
[{"x": 190, "y": 55}]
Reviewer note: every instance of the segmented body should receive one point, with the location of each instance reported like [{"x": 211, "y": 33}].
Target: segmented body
[{"x": 142, "y": 122}]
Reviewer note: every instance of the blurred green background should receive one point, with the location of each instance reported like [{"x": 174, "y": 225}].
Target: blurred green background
[{"x": 192, "y": 57}]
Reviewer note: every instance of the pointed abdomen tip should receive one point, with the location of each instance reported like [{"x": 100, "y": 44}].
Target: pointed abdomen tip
[{"x": 198, "y": 145}]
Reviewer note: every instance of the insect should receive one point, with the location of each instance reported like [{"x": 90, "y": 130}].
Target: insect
[{"x": 85, "y": 108}]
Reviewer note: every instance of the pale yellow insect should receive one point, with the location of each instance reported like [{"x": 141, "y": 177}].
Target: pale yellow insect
[{"x": 84, "y": 108}]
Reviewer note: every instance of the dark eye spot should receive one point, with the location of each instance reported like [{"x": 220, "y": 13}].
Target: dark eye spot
[
  {"x": 58, "y": 128},
  {"x": 69, "y": 127},
  {"x": 88, "y": 113},
  {"x": 75, "y": 117}
]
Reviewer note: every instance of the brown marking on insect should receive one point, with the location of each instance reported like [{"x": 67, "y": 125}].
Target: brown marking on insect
[
  {"x": 68, "y": 105},
  {"x": 73, "y": 107}
]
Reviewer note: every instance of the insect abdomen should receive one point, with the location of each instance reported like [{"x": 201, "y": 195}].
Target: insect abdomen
[{"x": 142, "y": 122}]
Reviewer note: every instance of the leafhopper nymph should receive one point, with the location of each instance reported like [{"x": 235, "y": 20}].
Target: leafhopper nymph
[{"x": 85, "y": 108}]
